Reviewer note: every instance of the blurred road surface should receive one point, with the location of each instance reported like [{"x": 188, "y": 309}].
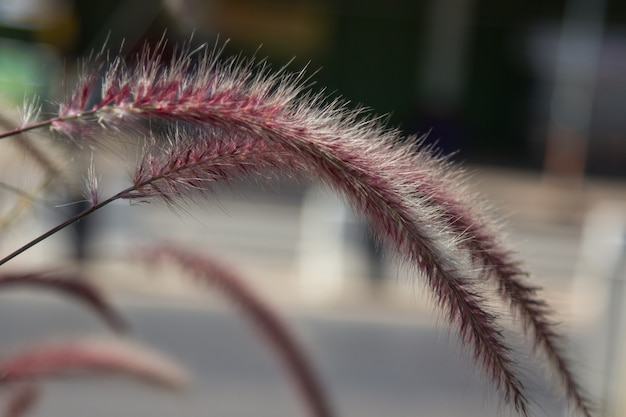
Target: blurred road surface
[
  {"x": 371, "y": 366},
  {"x": 381, "y": 353}
]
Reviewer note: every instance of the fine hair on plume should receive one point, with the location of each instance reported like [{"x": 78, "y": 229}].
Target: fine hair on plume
[{"x": 202, "y": 120}]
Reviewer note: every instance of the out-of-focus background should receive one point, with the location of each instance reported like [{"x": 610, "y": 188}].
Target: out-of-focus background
[{"x": 528, "y": 95}]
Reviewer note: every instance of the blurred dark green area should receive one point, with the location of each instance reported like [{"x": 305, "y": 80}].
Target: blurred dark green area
[{"x": 491, "y": 63}]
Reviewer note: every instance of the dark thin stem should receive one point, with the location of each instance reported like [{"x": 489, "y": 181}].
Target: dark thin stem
[
  {"x": 26, "y": 128},
  {"x": 66, "y": 223},
  {"x": 126, "y": 193},
  {"x": 48, "y": 122}
]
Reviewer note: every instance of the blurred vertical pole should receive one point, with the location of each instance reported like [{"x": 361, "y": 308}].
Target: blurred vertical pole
[
  {"x": 574, "y": 88},
  {"x": 321, "y": 250},
  {"x": 616, "y": 342},
  {"x": 445, "y": 62},
  {"x": 599, "y": 289}
]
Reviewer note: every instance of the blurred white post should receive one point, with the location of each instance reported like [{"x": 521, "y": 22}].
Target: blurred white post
[
  {"x": 600, "y": 294},
  {"x": 321, "y": 263}
]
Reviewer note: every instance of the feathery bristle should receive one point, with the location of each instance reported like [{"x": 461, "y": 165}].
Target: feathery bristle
[
  {"x": 246, "y": 121},
  {"x": 413, "y": 229}
]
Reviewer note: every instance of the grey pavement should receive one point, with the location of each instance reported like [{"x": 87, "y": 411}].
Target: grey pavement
[{"x": 387, "y": 366}]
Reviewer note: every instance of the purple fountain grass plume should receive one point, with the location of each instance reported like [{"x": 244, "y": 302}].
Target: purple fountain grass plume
[
  {"x": 189, "y": 165},
  {"x": 535, "y": 314},
  {"x": 194, "y": 162},
  {"x": 458, "y": 205},
  {"x": 218, "y": 277},
  {"x": 22, "y": 399},
  {"x": 87, "y": 357},
  {"x": 73, "y": 286},
  {"x": 252, "y": 121}
]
